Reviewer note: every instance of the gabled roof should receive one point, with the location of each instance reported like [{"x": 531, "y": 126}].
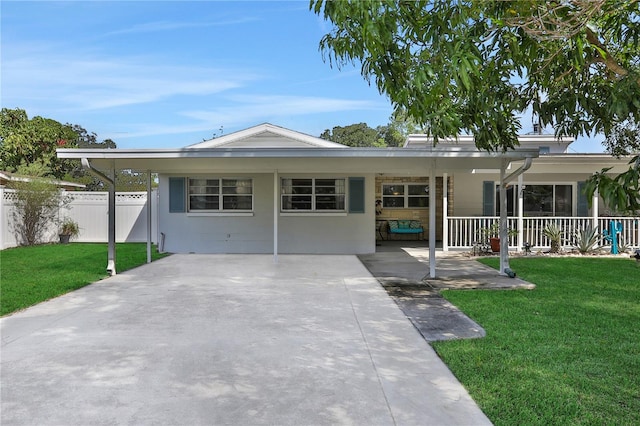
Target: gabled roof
[{"x": 267, "y": 136}]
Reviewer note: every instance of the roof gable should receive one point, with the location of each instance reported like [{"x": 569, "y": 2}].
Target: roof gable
[{"x": 267, "y": 136}]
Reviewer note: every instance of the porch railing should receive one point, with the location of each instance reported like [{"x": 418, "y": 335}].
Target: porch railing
[{"x": 464, "y": 232}]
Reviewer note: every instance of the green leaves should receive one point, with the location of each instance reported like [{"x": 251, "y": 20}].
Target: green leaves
[{"x": 622, "y": 192}]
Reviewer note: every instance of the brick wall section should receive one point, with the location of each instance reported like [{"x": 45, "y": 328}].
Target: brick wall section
[{"x": 415, "y": 214}]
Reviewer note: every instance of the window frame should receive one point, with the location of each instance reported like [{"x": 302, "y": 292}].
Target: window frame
[
  {"x": 405, "y": 195},
  {"x": 314, "y": 195},
  {"x": 220, "y": 194},
  {"x": 573, "y": 198}
]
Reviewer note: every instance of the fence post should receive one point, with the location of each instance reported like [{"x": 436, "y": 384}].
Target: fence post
[{"x": 4, "y": 221}]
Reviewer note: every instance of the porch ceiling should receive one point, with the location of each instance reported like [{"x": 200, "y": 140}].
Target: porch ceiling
[{"x": 325, "y": 160}]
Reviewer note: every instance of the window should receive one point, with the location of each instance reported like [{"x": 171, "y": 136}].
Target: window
[
  {"x": 548, "y": 200},
  {"x": 220, "y": 194},
  {"x": 313, "y": 194},
  {"x": 405, "y": 195}
]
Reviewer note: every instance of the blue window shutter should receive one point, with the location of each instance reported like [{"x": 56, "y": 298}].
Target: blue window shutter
[
  {"x": 583, "y": 203},
  {"x": 488, "y": 195},
  {"x": 177, "y": 195},
  {"x": 356, "y": 195}
]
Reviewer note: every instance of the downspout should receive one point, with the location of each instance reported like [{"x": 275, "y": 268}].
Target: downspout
[
  {"x": 111, "y": 256},
  {"x": 504, "y": 243}
]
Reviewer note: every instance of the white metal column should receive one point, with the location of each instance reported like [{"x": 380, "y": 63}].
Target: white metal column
[
  {"x": 276, "y": 212},
  {"x": 504, "y": 236},
  {"x": 445, "y": 212},
  {"x": 594, "y": 209},
  {"x": 432, "y": 220},
  {"x": 520, "y": 213},
  {"x": 111, "y": 251},
  {"x": 148, "y": 216}
]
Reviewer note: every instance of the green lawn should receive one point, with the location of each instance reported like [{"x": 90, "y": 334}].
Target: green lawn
[
  {"x": 30, "y": 275},
  {"x": 565, "y": 353}
]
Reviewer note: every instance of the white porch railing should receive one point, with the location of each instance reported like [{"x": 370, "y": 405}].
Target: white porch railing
[{"x": 464, "y": 232}]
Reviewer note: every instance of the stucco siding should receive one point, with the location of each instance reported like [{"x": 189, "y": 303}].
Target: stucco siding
[{"x": 342, "y": 233}]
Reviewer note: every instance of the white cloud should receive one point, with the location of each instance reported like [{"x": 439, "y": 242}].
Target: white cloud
[
  {"x": 82, "y": 82},
  {"x": 157, "y": 26}
]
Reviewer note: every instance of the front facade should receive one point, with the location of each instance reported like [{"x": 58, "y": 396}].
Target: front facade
[{"x": 267, "y": 189}]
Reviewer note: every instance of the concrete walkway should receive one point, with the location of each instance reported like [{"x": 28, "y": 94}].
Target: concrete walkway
[
  {"x": 402, "y": 268},
  {"x": 227, "y": 340}
]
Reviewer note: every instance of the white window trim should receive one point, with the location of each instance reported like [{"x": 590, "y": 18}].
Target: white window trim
[
  {"x": 313, "y": 211},
  {"x": 406, "y": 195},
  {"x": 220, "y": 211}
]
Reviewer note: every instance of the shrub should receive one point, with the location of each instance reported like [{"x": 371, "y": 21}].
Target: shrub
[
  {"x": 586, "y": 240},
  {"x": 36, "y": 205}
]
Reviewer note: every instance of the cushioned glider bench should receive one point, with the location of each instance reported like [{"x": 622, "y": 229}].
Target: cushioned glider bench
[{"x": 405, "y": 227}]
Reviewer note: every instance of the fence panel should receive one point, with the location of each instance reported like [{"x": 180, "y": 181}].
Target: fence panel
[{"x": 91, "y": 211}]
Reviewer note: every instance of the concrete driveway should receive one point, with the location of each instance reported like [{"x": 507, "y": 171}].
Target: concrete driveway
[{"x": 227, "y": 339}]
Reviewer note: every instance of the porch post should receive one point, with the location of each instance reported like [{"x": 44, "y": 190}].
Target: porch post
[
  {"x": 275, "y": 216},
  {"x": 111, "y": 252},
  {"x": 520, "y": 213},
  {"x": 432, "y": 220},
  {"x": 594, "y": 209},
  {"x": 504, "y": 239},
  {"x": 445, "y": 215},
  {"x": 148, "y": 216}
]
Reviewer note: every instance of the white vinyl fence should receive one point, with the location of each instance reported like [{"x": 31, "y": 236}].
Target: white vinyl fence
[
  {"x": 91, "y": 211},
  {"x": 464, "y": 232}
]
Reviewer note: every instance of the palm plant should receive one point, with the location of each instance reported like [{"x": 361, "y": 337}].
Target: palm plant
[{"x": 554, "y": 233}]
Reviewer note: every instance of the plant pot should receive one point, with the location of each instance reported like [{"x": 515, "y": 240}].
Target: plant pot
[
  {"x": 495, "y": 244},
  {"x": 64, "y": 239}
]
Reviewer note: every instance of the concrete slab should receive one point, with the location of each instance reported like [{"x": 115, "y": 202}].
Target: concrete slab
[
  {"x": 402, "y": 268},
  {"x": 226, "y": 339}
]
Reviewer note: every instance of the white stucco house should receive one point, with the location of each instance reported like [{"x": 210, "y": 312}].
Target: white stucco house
[{"x": 268, "y": 189}]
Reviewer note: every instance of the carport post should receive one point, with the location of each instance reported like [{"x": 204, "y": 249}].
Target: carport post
[
  {"x": 504, "y": 237},
  {"x": 445, "y": 212},
  {"x": 432, "y": 220},
  {"x": 275, "y": 216},
  {"x": 148, "y": 216},
  {"x": 111, "y": 259}
]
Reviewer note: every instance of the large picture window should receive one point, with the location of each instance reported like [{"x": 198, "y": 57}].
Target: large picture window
[
  {"x": 220, "y": 194},
  {"x": 548, "y": 200},
  {"x": 313, "y": 194},
  {"x": 405, "y": 195}
]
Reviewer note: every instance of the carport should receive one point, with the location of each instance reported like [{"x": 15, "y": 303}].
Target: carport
[{"x": 279, "y": 160}]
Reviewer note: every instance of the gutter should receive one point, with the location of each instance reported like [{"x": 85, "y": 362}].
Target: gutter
[
  {"x": 111, "y": 256},
  {"x": 519, "y": 171}
]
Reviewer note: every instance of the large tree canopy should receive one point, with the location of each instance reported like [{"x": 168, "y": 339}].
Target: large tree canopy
[{"x": 476, "y": 66}]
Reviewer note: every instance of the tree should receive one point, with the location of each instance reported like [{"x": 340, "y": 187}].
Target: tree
[
  {"x": 358, "y": 135},
  {"x": 475, "y": 66},
  {"x": 25, "y": 141}
]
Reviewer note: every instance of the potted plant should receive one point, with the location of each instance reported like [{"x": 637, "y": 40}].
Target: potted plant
[
  {"x": 492, "y": 233},
  {"x": 68, "y": 229}
]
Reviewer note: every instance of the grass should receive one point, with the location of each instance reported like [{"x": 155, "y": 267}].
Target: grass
[
  {"x": 565, "y": 353},
  {"x": 30, "y": 275}
]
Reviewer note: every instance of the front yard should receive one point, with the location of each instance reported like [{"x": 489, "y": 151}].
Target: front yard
[
  {"x": 565, "y": 353},
  {"x": 30, "y": 275}
]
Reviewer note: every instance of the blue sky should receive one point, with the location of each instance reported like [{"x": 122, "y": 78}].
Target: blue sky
[{"x": 160, "y": 74}]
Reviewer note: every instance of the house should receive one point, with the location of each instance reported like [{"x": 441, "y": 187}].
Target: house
[
  {"x": 268, "y": 189},
  {"x": 7, "y": 178}
]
